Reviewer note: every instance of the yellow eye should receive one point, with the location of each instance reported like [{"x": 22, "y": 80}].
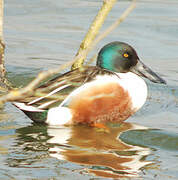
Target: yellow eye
[{"x": 125, "y": 55}]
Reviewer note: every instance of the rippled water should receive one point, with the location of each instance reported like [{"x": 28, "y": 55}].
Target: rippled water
[{"x": 44, "y": 34}]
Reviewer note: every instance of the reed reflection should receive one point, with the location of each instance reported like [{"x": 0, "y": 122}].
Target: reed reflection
[{"x": 103, "y": 153}]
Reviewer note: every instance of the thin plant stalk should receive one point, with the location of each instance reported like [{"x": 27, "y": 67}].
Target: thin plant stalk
[{"x": 93, "y": 31}]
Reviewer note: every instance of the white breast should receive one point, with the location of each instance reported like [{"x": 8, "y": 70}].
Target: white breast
[{"x": 136, "y": 88}]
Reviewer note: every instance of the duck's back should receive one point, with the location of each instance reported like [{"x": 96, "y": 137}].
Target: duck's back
[{"x": 51, "y": 93}]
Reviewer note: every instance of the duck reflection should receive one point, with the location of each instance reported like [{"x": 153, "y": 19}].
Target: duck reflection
[{"x": 103, "y": 153}]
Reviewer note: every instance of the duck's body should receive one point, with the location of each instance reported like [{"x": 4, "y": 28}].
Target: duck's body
[{"x": 109, "y": 91}]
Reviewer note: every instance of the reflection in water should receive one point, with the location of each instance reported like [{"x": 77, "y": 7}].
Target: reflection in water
[
  {"x": 97, "y": 152},
  {"x": 118, "y": 153},
  {"x": 104, "y": 153}
]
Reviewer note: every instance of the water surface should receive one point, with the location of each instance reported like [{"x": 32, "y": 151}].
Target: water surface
[{"x": 44, "y": 34}]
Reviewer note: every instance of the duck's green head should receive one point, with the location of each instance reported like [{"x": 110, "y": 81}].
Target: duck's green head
[
  {"x": 117, "y": 56},
  {"x": 122, "y": 58}
]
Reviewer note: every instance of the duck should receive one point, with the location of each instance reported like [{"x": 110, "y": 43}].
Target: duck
[{"x": 111, "y": 91}]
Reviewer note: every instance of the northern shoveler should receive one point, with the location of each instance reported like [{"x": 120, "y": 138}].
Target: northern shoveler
[{"x": 110, "y": 91}]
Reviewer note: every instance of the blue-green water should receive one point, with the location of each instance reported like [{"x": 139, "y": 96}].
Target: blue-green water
[{"x": 44, "y": 34}]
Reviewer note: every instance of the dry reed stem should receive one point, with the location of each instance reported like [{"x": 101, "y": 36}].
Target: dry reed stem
[
  {"x": 15, "y": 95},
  {"x": 4, "y": 84},
  {"x": 93, "y": 30},
  {"x": 2, "y": 69},
  {"x": 1, "y": 18}
]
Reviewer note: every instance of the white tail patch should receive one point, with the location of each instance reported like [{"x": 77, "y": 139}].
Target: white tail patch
[{"x": 59, "y": 116}]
